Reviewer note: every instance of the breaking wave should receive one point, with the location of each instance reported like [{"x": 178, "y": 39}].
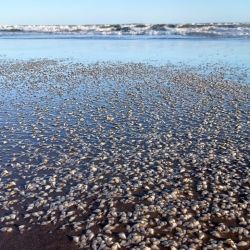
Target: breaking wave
[{"x": 156, "y": 30}]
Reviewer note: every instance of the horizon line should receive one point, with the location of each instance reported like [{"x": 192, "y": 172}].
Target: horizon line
[{"x": 135, "y": 23}]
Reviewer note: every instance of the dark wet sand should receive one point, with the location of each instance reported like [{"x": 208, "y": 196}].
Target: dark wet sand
[{"x": 37, "y": 239}]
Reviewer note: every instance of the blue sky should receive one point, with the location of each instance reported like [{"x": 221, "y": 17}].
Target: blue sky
[{"x": 122, "y": 11}]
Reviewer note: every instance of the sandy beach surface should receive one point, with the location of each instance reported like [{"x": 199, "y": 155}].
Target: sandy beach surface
[{"x": 123, "y": 156}]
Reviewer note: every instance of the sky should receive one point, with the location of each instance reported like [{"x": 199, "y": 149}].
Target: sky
[{"x": 122, "y": 11}]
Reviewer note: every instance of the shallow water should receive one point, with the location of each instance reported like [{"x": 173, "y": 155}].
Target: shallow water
[{"x": 160, "y": 51}]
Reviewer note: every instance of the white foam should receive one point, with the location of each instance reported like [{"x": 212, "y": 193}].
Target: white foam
[{"x": 210, "y": 29}]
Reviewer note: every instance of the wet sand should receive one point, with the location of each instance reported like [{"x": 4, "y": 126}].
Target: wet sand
[{"x": 123, "y": 156}]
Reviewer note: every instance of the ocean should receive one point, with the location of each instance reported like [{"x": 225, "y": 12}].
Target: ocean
[{"x": 157, "y": 44}]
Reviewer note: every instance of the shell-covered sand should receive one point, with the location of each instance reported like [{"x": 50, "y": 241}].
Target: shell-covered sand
[{"x": 123, "y": 156}]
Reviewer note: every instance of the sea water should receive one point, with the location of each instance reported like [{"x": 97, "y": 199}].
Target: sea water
[{"x": 227, "y": 44}]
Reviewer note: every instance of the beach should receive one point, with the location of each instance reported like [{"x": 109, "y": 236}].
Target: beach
[{"x": 123, "y": 155}]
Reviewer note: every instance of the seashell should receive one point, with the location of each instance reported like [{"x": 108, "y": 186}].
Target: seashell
[
  {"x": 216, "y": 234},
  {"x": 242, "y": 244},
  {"x": 116, "y": 180},
  {"x": 6, "y": 229},
  {"x": 110, "y": 118},
  {"x": 122, "y": 236},
  {"x": 93, "y": 169},
  {"x": 21, "y": 227},
  {"x": 11, "y": 184},
  {"x": 231, "y": 243},
  {"x": 72, "y": 218},
  {"x": 91, "y": 236},
  {"x": 116, "y": 246},
  {"x": 5, "y": 173},
  {"x": 76, "y": 239},
  {"x": 30, "y": 207}
]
